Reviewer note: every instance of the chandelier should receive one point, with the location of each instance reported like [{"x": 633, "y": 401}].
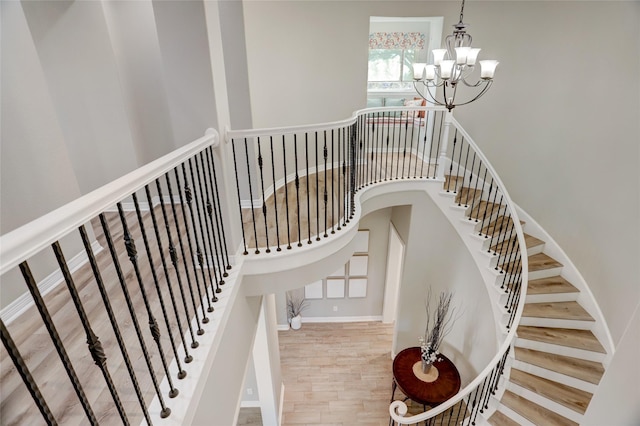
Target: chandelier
[{"x": 452, "y": 67}]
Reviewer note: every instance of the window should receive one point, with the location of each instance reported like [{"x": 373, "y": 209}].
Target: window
[
  {"x": 395, "y": 43},
  {"x": 391, "y": 56}
]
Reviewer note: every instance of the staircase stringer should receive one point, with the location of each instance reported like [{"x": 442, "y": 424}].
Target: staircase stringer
[{"x": 571, "y": 273}]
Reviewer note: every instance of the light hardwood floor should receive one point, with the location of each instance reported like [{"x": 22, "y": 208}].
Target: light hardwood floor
[
  {"x": 29, "y": 333},
  {"x": 337, "y": 374}
]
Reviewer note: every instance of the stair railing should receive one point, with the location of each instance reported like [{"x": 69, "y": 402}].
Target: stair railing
[
  {"x": 167, "y": 256},
  {"x": 287, "y": 174},
  {"x": 486, "y": 201},
  {"x": 296, "y": 185}
]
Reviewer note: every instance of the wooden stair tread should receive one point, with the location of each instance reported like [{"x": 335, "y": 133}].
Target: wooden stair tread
[
  {"x": 570, "y": 397},
  {"x": 498, "y": 225},
  {"x": 541, "y": 261},
  {"x": 466, "y": 195},
  {"x": 534, "y": 412},
  {"x": 500, "y": 419},
  {"x": 505, "y": 245},
  {"x": 557, "y": 310},
  {"x": 589, "y": 371},
  {"x": 478, "y": 211},
  {"x": 550, "y": 285},
  {"x": 579, "y": 339}
]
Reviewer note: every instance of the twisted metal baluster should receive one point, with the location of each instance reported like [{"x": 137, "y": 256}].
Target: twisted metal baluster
[
  {"x": 212, "y": 211},
  {"x": 130, "y": 245},
  {"x": 225, "y": 250},
  {"x": 275, "y": 195},
  {"x": 264, "y": 201},
  {"x": 166, "y": 411},
  {"x": 114, "y": 323},
  {"x": 181, "y": 372},
  {"x": 174, "y": 261},
  {"x": 208, "y": 208},
  {"x": 189, "y": 198},
  {"x": 93, "y": 342},
  {"x": 57, "y": 341},
  {"x": 188, "y": 358},
  {"x": 27, "y": 378},
  {"x": 205, "y": 320}
]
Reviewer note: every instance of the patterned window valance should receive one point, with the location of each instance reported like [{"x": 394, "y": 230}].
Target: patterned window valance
[{"x": 396, "y": 40}]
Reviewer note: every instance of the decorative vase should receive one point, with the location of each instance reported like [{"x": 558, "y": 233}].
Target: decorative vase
[
  {"x": 296, "y": 322},
  {"x": 426, "y": 366}
]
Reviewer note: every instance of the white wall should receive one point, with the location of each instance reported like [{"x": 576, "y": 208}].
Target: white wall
[
  {"x": 79, "y": 66},
  {"x": 134, "y": 37},
  {"x": 436, "y": 258},
  {"x": 566, "y": 145}
]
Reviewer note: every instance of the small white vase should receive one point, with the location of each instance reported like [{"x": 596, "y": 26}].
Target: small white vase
[{"x": 296, "y": 322}]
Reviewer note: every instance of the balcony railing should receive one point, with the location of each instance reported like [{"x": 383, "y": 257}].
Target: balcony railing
[{"x": 153, "y": 249}]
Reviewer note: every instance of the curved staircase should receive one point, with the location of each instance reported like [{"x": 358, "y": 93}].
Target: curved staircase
[{"x": 557, "y": 360}]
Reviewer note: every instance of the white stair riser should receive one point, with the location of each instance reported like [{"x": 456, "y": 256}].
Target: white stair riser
[
  {"x": 560, "y": 350},
  {"x": 552, "y": 297},
  {"x": 557, "y": 323},
  {"x": 535, "y": 249},
  {"x": 545, "y": 273},
  {"x": 546, "y": 403},
  {"x": 555, "y": 376}
]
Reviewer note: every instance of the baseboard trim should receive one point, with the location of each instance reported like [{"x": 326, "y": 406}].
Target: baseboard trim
[
  {"x": 372, "y": 318},
  {"x": 16, "y": 308}
]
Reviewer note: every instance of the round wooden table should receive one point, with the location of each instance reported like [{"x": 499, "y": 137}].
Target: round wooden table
[{"x": 446, "y": 385}]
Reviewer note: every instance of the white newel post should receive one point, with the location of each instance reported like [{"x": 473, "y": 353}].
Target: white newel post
[{"x": 443, "y": 161}]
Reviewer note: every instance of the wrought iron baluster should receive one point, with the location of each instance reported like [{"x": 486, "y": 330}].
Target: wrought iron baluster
[
  {"x": 317, "y": 192},
  {"x": 156, "y": 229},
  {"x": 275, "y": 195},
  {"x": 166, "y": 411},
  {"x": 437, "y": 157},
  {"x": 219, "y": 216},
  {"x": 235, "y": 167},
  {"x": 344, "y": 178},
  {"x": 306, "y": 156},
  {"x": 27, "y": 378},
  {"x": 129, "y": 244},
  {"x": 93, "y": 342},
  {"x": 333, "y": 191},
  {"x": 339, "y": 197},
  {"x": 297, "y": 183},
  {"x": 212, "y": 213},
  {"x": 198, "y": 253},
  {"x": 207, "y": 212},
  {"x": 453, "y": 155},
  {"x": 471, "y": 193},
  {"x": 264, "y": 201},
  {"x": 57, "y": 341},
  {"x": 464, "y": 177},
  {"x": 174, "y": 259},
  {"x": 253, "y": 213},
  {"x": 286, "y": 190},
  {"x": 325, "y": 154},
  {"x": 181, "y": 372}
]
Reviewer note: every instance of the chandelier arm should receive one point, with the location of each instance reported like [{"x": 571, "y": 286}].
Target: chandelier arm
[
  {"x": 476, "y": 84},
  {"x": 484, "y": 90},
  {"x": 431, "y": 97}
]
